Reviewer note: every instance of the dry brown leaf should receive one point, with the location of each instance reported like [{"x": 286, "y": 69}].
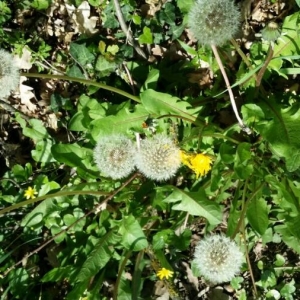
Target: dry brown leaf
[
  {"x": 26, "y": 94},
  {"x": 24, "y": 62},
  {"x": 83, "y": 23}
]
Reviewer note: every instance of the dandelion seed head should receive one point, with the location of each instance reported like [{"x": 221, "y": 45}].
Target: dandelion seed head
[
  {"x": 158, "y": 158},
  {"x": 214, "y": 22},
  {"x": 218, "y": 258},
  {"x": 114, "y": 156},
  {"x": 9, "y": 74}
]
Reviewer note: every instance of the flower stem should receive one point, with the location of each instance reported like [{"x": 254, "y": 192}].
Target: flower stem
[
  {"x": 245, "y": 241},
  {"x": 95, "y": 210},
  {"x": 231, "y": 96},
  {"x": 242, "y": 54},
  {"x": 84, "y": 81},
  {"x": 265, "y": 65}
]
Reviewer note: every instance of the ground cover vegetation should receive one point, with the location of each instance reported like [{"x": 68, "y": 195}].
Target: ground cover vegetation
[{"x": 149, "y": 149}]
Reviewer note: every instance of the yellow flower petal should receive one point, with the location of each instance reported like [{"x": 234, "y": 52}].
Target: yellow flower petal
[
  {"x": 199, "y": 163},
  {"x": 164, "y": 273},
  {"x": 30, "y": 193}
]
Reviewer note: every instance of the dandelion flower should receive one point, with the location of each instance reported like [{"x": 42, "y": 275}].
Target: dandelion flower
[
  {"x": 271, "y": 32},
  {"x": 199, "y": 163},
  {"x": 158, "y": 158},
  {"x": 30, "y": 193},
  {"x": 9, "y": 74},
  {"x": 218, "y": 258},
  {"x": 114, "y": 155},
  {"x": 164, "y": 273},
  {"x": 214, "y": 22}
]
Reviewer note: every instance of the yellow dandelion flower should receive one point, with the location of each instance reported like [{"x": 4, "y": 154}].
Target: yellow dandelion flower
[
  {"x": 30, "y": 193},
  {"x": 164, "y": 273},
  {"x": 199, "y": 163}
]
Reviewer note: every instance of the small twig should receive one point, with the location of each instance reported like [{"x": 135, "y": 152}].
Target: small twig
[
  {"x": 11, "y": 180},
  {"x": 265, "y": 65},
  {"x": 129, "y": 77},
  {"x": 245, "y": 243},
  {"x": 138, "y": 141},
  {"x": 96, "y": 209},
  {"x": 244, "y": 209},
  {"x": 12, "y": 109},
  {"x": 48, "y": 66},
  {"x": 127, "y": 32},
  {"x": 231, "y": 96},
  {"x": 242, "y": 55},
  {"x": 249, "y": 265}
]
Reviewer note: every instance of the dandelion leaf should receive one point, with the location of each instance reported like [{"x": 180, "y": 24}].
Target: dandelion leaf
[
  {"x": 98, "y": 258},
  {"x": 257, "y": 215},
  {"x": 126, "y": 119},
  {"x": 196, "y": 204},
  {"x": 282, "y": 132},
  {"x": 164, "y": 104},
  {"x": 133, "y": 237},
  {"x": 288, "y": 43}
]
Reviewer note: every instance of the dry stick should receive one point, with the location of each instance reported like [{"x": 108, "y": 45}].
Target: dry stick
[
  {"x": 265, "y": 65},
  {"x": 243, "y": 212},
  {"x": 242, "y": 55},
  {"x": 249, "y": 262},
  {"x": 129, "y": 77},
  {"x": 245, "y": 243},
  {"x": 126, "y": 31},
  {"x": 231, "y": 96},
  {"x": 95, "y": 209},
  {"x": 12, "y": 109}
]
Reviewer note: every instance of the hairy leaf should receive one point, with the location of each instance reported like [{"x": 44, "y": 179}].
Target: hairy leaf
[
  {"x": 196, "y": 204},
  {"x": 77, "y": 156},
  {"x": 99, "y": 257},
  {"x": 257, "y": 214},
  {"x": 164, "y": 104},
  {"x": 282, "y": 132},
  {"x": 133, "y": 237},
  {"x": 125, "y": 120}
]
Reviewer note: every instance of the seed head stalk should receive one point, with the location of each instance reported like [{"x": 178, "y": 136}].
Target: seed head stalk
[
  {"x": 84, "y": 81},
  {"x": 231, "y": 96}
]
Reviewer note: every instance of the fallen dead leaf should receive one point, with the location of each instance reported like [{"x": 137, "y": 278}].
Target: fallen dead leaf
[
  {"x": 24, "y": 61},
  {"x": 26, "y": 95},
  {"x": 83, "y": 23}
]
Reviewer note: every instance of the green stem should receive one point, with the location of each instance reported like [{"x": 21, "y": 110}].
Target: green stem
[
  {"x": 242, "y": 55},
  {"x": 96, "y": 209},
  {"x": 86, "y": 82},
  {"x": 222, "y": 136},
  {"x": 248, "y": 261},
  {"x": 58, "y": 194},
  {"x": 120, "y": 273},
  {"x": 244, "y": 209},
  {"x": 230, "y": 93},
  {"x": 265, "y": 65}
]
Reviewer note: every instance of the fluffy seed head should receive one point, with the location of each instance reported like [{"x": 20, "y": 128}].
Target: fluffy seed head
[
  {"x": 213, "y": 22},
  {"x": 158, "y": 157},
  {"x": 114, "y": 156},
  {"x": 218, "y": 258},
  {"x": 9, "y": 74}
]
